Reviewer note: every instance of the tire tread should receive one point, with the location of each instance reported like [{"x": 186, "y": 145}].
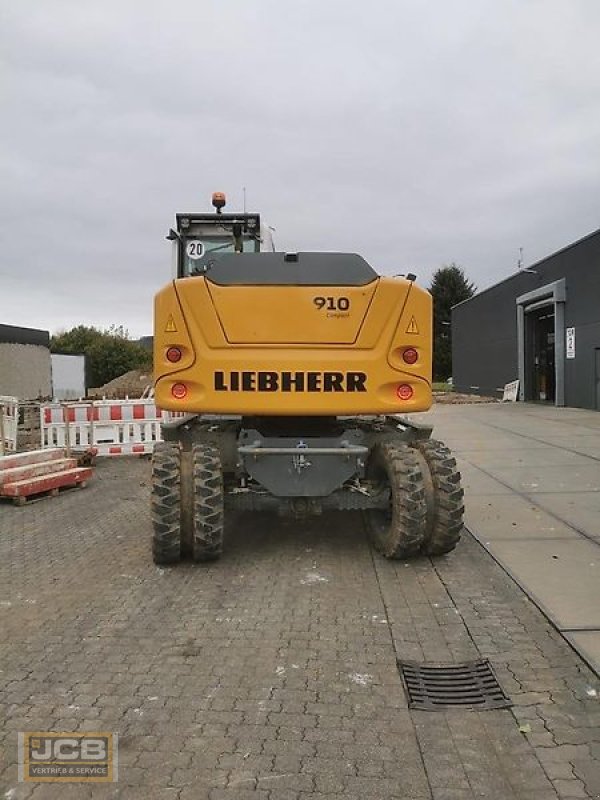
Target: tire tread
[
  {"x": 165, "y": 503},
  {"x": 208, "y": 503},
  {"x": 405, "y": 534},
  {"x": 445, "y": 519}
]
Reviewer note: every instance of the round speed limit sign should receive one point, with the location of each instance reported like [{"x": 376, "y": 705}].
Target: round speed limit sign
[{"x": 194, "y": 249}]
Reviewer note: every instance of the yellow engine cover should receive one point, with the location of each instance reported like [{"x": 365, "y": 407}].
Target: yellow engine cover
[{"x": 282, "y": 350}]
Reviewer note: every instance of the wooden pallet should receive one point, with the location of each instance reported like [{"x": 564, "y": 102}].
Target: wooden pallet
[{"x": 39, "y": 472}]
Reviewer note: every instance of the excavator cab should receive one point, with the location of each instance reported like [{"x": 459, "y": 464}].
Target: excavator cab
[{"x": 199, "y": 237}]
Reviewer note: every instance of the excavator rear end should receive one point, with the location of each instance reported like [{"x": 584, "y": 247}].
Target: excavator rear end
[{"x": 290, "y": 375}]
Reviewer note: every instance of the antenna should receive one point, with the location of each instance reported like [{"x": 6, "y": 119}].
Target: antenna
[
  {"x": 244, "y": 192},
  {"x": 520, "y": 266}
]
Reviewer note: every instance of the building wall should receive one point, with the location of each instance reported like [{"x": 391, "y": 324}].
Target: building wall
[
  {"x": 484, "y": 329},
  {"x": 582, "y": 311},
  {"x": 25, "y": 370}
]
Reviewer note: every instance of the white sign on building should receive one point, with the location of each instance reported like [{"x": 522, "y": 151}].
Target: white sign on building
[
  {"x": 570, "y": 335},
  {"x": 68, "y": 376}
]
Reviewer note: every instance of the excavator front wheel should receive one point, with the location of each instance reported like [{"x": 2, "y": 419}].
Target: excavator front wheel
[{"x": 399, "y": 530}]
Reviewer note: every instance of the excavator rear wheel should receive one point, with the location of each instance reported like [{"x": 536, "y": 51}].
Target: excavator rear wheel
[
  {"x": 208, "y": 518},
  {"x": 443, "y": 495},
  {"x": 399, "y": 531},
  {"x": 165, "y": 503}
]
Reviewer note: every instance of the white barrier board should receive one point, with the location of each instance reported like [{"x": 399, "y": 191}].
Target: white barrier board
[
  {"x": 9, "y": 423},
  {"x": 511, "y": 392}
]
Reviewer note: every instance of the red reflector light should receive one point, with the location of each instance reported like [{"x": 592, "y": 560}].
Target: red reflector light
[
  {"x": 404, "y": 391},
  {"x": 173, "y": 354},
  {"x": 179, "y": 391},
  {"x": 410, "y": 355}
]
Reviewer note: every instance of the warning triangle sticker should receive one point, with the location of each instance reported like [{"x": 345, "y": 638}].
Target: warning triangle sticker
[
  {"x": 170, "y": 327},
  {"x": 412, "y": 326}
]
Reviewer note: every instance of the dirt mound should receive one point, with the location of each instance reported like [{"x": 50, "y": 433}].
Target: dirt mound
[
  {"x": 456, "y": 398},
  {"x": 133, "y": 384}
]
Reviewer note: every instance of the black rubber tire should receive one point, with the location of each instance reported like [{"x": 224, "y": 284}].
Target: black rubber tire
[
  {"x": 165, "y": 503},
  {"x": 186, "y": 503},
  {"x": 444, "y": 496},
  {"x": 400, "y": 531},
  {"x": 208, "y": 503}
]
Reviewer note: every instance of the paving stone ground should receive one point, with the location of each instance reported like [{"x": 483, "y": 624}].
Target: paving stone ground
[{"x": 272, "y": 674}]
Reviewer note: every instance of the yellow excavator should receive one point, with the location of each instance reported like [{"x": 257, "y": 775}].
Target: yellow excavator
[{"x": 289, "y": 377}]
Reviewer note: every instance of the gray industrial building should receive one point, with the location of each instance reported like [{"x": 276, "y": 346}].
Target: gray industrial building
[
  {"x": 25, "y": 367},
  {"x": 540, "y": 326}
]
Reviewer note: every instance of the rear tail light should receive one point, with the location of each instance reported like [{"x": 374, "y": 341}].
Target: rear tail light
[
  {"x": 410, "y": 355},
  {"x": 179, "y": 391},
  {"x": 173, "y": 354},
  {"x": 404, "y": 391}
]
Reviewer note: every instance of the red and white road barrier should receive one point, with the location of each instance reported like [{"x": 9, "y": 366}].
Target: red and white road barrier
[
  {"x": 9, "y": 421},
  {"x": 110, "y": 427}
]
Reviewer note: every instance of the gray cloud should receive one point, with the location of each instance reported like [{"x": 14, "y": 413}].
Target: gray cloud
[{"x": 413, "y": 132}]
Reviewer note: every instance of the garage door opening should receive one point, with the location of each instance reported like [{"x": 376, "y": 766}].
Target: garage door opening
[
  {"x": 541, "y": 343},
  {"x": 540, "y": 361}
]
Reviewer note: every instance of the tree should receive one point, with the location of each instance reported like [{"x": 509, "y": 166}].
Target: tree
[
  {"x": 449, "y": 286},
  {"x": 109, "y": 353}
]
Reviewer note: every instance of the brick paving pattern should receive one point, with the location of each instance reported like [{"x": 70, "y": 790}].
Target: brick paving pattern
[{"x": 272, "y": 674}]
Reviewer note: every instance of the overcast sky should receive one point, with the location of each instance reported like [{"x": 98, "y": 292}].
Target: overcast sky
[{"x": 415, "y": 133}]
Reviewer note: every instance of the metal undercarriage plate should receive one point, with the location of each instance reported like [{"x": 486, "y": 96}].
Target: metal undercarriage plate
[{"x": 435, "y": 687}]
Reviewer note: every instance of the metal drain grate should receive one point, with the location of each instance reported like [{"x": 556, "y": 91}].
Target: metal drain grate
[{"x": 437, "y": 687}]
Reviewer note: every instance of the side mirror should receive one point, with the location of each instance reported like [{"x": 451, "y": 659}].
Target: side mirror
[{"x": 172, "y": 235}]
